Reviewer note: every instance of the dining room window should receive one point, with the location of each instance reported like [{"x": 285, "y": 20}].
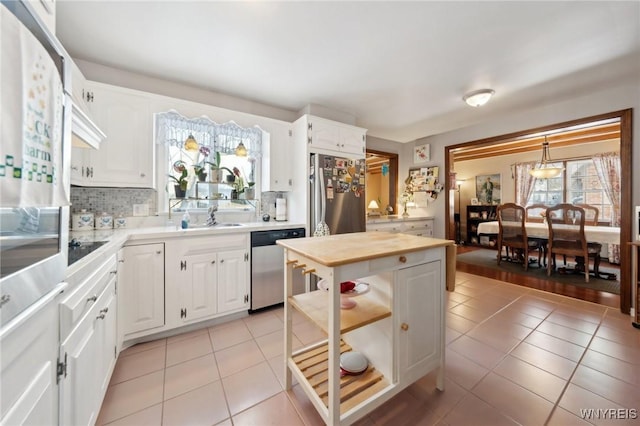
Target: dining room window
[{"x": 579, "y": 184}]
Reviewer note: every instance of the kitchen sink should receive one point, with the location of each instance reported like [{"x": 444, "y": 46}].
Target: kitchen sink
[{"x": 225, "y": 225}]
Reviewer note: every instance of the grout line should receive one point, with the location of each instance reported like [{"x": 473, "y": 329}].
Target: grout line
[{"x": 578, "y": 364}]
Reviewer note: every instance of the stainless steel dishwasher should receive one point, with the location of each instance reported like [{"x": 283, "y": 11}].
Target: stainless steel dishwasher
[{"x": 267, "y": 268}]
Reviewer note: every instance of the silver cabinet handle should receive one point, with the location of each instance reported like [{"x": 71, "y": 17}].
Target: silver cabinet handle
[
  {"x": 101, "y": 316},
  {"x": 221, "y": 260},
  {"x": 213, "y": 261},
  {"x": 104, "y": 311},
  {"x": 142, "y": 175},
  {"x": 159, "y": 252},
  {"x": 93, "y": 298}
]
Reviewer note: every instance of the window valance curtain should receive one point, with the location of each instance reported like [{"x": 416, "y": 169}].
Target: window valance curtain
[{"x": 172, "y": 128}]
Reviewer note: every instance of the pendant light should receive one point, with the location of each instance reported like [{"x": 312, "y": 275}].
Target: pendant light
[
  {"x": 190, "y": 144},
  {"x": 241, "y": 151},
  {"x": 543, "y": 170}
]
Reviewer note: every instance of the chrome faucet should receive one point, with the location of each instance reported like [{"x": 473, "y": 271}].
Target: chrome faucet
[{"x": 211, "y": 221}]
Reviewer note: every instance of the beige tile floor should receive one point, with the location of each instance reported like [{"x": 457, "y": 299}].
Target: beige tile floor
[{"x": 514, "y": 356}]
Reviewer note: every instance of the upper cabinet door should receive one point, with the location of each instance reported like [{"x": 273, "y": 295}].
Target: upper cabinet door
[
  {"x": 331, "y": 137},
  {"x": 126, "y": 156},
  {"x": 277, "y": 173}
]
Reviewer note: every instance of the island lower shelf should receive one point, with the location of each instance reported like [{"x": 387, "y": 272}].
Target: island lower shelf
[
  {"x": 314, "y": 366},
  {"x": 314, "y": 305}
]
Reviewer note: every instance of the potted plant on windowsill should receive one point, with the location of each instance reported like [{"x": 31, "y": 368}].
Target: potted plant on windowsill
[
  {"x": 238, "y": 184},
  {"x": 181, "y": 182},
  {"x": 250, "y": 191},
  {"x": 216, "y": 169}
]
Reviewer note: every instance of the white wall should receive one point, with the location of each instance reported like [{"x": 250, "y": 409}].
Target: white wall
[{"x": 600, "y": 101}]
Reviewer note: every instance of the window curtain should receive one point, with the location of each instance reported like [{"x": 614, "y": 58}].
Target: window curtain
[
  {"x": 172, "y": 128},
  {"x": 524, "y": 182},
  {"x": 608, "y": 168}
]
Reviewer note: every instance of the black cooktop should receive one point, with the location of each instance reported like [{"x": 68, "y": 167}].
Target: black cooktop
[{"x": 79, "y": 250}]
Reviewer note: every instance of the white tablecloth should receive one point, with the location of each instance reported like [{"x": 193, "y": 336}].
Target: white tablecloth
[{"x": 596, "y": 234}]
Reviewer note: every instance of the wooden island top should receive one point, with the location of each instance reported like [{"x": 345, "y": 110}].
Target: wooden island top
[{"x": 342, "y": 249}]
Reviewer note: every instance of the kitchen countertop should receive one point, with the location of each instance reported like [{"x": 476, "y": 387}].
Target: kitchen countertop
[
  {"x": 116, "y": 238},
  {"x": 336, "y": 250}
]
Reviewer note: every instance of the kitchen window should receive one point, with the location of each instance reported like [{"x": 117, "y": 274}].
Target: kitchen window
[{"x": 189, "y": 147}]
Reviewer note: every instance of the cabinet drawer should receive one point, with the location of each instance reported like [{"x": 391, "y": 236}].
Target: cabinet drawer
[
  {"x": 423, "y": 229},
  {"x": 85, "y": 295},
  {"x": 384, "y": 227},
  {"x": 397, "y": 261}
]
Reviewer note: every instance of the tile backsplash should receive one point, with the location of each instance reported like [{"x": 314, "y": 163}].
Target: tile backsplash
[{"x": 116, "y": 201}]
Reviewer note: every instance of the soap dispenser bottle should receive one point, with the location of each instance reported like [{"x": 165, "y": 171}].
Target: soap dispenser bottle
[{"x": 185, "y": 220}]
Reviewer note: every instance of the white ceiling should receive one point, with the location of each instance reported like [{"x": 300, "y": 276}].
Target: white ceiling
[{"x": 401, "y": 68}]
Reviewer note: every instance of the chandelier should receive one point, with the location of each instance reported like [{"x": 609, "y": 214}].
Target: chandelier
[{"x": 543, "y": 170}]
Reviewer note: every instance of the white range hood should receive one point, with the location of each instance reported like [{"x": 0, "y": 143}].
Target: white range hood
[{"x": 85, "y": 133}]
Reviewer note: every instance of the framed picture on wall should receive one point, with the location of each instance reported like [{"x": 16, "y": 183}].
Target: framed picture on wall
[
  {"x": 475, "y": 202},
  {"x": 489, "y": 189},
  {"x": 421, "y": 153}
]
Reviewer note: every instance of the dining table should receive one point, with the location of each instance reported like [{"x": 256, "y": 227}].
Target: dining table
[{"x": 599, "y": 234}]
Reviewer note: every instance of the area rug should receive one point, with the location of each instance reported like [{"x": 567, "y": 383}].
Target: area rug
[{"x": 487, "y": 258}]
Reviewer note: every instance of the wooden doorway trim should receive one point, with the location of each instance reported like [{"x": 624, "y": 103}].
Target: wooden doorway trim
[{"x": 626, "y": 144}]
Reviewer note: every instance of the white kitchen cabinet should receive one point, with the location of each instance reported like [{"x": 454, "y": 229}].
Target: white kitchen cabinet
[
  {"x": 28, "y": 365},
  {"x": 126, "y": 156},
  {"x": 421, "y": 228},
  {"x": 233, "y": 280},
  {"x": 206, "y": 277},
  {"x": 277, "y": 173},
  {"x": 88, "y": 336},
  {"x": 198, "y": 286},
  {"x": 141, "y": 279},
  {"x": 397, "y": 323},
  {"x": 85, "y": 132},
  {"x": 418, "y": 316},
  {"x": 88, "y": 356},
  {"x": 331, "y": 137}
]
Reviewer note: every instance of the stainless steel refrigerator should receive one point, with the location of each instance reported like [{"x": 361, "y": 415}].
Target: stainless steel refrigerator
[{"x": 337, "y": 187}]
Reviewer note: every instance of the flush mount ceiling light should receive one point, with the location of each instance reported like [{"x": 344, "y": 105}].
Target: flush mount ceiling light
[
  {"x": 190, "y": 144},
  {"x": 478, "y": 98},
  {"x": 241, "y": 151},
  {"x": 543, "y": 170}
]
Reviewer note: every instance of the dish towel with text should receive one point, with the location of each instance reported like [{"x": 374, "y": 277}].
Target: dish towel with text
[{"x": 31, "y": 124}]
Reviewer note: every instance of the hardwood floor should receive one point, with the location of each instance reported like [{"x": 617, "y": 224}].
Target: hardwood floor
[{"x": 589, "y": 295}]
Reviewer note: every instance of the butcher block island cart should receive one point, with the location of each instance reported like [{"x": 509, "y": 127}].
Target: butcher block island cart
[{"x": 397, "y": 322}]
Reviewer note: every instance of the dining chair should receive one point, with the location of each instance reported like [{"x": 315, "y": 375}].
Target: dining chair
[
  {"x": 536, "y": 213},
  {"x": 513, "y": 234},
  {"x": 591, "y": 214},
  {"x": 566, "y": 237}
]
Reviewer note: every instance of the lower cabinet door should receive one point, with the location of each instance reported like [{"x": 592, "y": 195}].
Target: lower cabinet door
[
  {"x": 141, "y": 279},
  {"x": 88, "y": 359},
  {"x": 28, "y": 353},
  {"x": 232, "y": 280},
  {"x": 198, "y": 289},
  {"x": 419, "y": 320}
]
